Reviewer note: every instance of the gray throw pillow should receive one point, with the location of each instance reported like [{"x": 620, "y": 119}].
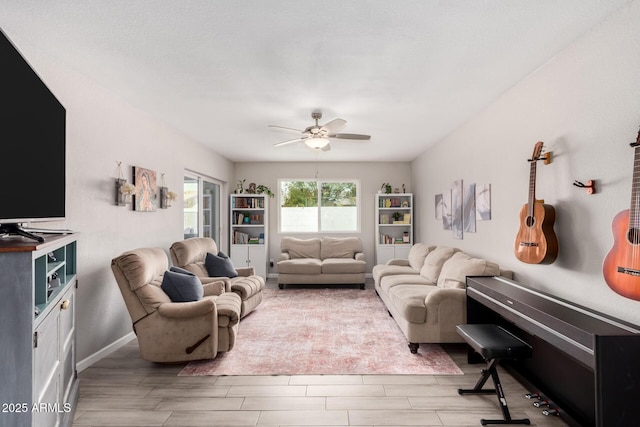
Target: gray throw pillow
[
  {"x": 181, "y": 285},
  {"x": 219, "y": 265}
]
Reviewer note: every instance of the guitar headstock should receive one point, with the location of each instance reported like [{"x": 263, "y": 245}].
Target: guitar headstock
[{"x": 537, "y": 151}]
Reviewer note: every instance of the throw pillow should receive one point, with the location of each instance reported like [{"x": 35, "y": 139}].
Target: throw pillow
[
  {"x": 181, "y": 285},
  {"x": 219, "y": 265}
]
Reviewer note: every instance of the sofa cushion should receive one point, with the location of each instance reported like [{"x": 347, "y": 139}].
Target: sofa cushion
[
  {"x": 219, "y": 265},
  {"x": 300, "y": 248},
  {"x": 181, "y": 285},
  {"x": 417, "y": 254},
  {"x": 388, "y": 282},
  {"x": 456, "y": 269},
  {"x": 433, "y": 262},
  {"x": 340, "y": 247},
  {"x": 381, "y": 270},
  {"x": 300, "y": 266},
  {"x": 409, "y": 300},
  {"x": 342, "y": 266}
]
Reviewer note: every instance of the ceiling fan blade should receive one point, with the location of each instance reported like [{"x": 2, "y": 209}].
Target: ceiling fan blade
[
  {"x": 355, "y": 136},
  {"x": 286, "y": 129},
  {"x": 326, "y": 147},
  {"x": 289, "y": 141},
  {"x": 335, "y": 125}
]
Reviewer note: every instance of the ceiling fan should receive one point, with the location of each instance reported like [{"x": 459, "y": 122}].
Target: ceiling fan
[{"x": 317, "y": 136}]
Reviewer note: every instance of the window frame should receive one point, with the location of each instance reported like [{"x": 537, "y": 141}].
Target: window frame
[{"x": 319, "y": 182}]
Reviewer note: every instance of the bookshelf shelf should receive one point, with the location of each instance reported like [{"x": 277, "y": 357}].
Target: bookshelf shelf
[{"x": 248, "y": 231}]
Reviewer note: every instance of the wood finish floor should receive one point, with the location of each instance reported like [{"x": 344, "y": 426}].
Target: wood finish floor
[{"x": 124, "y": 390}]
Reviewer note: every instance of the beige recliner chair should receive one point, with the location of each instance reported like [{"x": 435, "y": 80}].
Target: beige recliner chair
[
  {"x": 174, "y": 331},
  {"x": 191, "y": 253}
]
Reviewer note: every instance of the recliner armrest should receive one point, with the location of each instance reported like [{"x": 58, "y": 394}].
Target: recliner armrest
[
  {"x": 215, "y": 285},
  {"x": 183, "y": 310},
  {"x": 246, "y": 271},
  {"x": 359, "y": 256}
]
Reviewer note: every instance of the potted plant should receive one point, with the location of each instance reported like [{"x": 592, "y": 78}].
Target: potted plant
[
  {"x": 396, "y": 216},
  {"x": 386, "y": 187},
  {"x": 260, "y": 189}
]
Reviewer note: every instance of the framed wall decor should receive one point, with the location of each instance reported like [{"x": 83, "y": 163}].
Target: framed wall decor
[{"x": 145, "y": 198}]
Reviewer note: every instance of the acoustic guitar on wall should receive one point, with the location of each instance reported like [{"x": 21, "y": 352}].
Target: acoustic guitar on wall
[
  {"x": 621, "y": 267},
  {"x": 536, "y": 242}
]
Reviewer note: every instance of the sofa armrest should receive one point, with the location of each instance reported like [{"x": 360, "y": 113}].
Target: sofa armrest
[
  {"x": 359, "y": 256},
  {"x": 246, "y": 271},
  {"x": 183, "y": 310},
  {"x": 437, "y": 296},
  {"x": 284, "y": 256},
  {"x": 398, "y": 261}
]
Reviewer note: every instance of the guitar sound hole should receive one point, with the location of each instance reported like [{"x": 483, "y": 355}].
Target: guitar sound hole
[
  {"x": 530, "y": 220},
  {"x": 634, "y": 236}
]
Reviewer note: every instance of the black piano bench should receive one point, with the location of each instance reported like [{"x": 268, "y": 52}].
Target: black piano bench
[{"x": 494, "y": 344}]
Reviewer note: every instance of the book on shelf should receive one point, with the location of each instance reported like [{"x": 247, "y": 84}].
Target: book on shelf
[
  {"x": 407, "y": 218},
  {"x": 248, "y": 203}
]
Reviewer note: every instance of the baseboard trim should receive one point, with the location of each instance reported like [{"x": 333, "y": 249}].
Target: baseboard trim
[{"x": 104, "y": 352}]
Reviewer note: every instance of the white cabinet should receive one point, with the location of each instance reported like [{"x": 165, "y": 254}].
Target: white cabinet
[
  {"x": 394, "y": 226},
  {"x": 249, "y": 231},
  {"x": 37, "y": 320}
]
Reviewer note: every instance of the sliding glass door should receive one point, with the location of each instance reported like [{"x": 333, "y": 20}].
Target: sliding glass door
[{"x": 201, "y": 207}]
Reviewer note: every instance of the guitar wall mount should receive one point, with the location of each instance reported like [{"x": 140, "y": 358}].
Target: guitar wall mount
[{"x": 590, "y": 186}]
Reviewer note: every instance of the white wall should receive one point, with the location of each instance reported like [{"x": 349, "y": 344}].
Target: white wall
[
  {"x": 101, "y": 130},
  {"x": 585, "y": 105},
  {"x": 371, "y": 176}
]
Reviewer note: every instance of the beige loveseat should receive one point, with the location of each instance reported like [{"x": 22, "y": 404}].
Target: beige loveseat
[
  {"x": 321, "y": 261},
  {"x": 425, "y": 294}
]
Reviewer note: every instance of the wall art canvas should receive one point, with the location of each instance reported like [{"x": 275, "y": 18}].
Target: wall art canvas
[
  {"x": 446, "y": 210},
  {"x": 456, "y": 209},
  {"x": 438, "y": 206},
  {"x": 146, "y": 197},
  {"x": 469, "y": 208},
  {"x": 483, "y": 202}
]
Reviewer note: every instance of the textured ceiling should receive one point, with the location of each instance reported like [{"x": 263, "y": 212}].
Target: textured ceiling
[{"x": 408, "y": 73}]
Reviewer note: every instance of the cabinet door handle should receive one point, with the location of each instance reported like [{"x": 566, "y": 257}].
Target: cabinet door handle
[{"x": 65, "y": 305}]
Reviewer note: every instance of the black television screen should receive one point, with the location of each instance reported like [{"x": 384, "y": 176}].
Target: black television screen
[{"x": 32, "y": 131}]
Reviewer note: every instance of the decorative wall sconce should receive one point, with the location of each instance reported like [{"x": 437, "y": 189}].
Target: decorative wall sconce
[
  {"x": 166, "y": 197},
  {"x": 124, "y": 190}
]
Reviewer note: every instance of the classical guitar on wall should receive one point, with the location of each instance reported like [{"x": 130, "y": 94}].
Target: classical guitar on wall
[
  {"x": 536, "y": 242},
  {"x": 621, "y": 267}
]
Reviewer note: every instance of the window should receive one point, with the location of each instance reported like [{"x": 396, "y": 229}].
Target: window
[
  {"x": 319, "y": 206},
  {"x": 201, "y": 207}
]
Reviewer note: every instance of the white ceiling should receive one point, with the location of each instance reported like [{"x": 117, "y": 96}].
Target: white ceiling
[{"x": 406, "y": 72}]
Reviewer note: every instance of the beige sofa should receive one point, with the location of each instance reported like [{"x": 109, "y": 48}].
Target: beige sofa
[
  {"x": 425, "y": 294},
  {"x": 321, "y": 261}
]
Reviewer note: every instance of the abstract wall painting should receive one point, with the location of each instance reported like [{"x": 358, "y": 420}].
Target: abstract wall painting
[
  {"x": 145, "y": 198},
  {"x": 456, "y": 209},
  {"x": 446, "y": 210},
  {"x": 438, "y": 206},
  {"x": 483, "y": 202},
  {"x": 469, "y": 208}
]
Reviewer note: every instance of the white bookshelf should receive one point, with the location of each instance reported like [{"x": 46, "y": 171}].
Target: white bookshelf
[
  {"x": 394, "y": 236},
  {"x": 248, "y": 230}
]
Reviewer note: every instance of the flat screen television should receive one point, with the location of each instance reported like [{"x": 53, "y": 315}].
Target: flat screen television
[{"x": 32, "y": 147}]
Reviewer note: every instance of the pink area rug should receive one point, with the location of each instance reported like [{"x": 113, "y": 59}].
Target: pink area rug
[{"x": 322, "y": 331}]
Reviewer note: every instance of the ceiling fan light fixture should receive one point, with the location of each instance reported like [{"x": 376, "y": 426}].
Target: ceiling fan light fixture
[{"x": 317, "y": 142}]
